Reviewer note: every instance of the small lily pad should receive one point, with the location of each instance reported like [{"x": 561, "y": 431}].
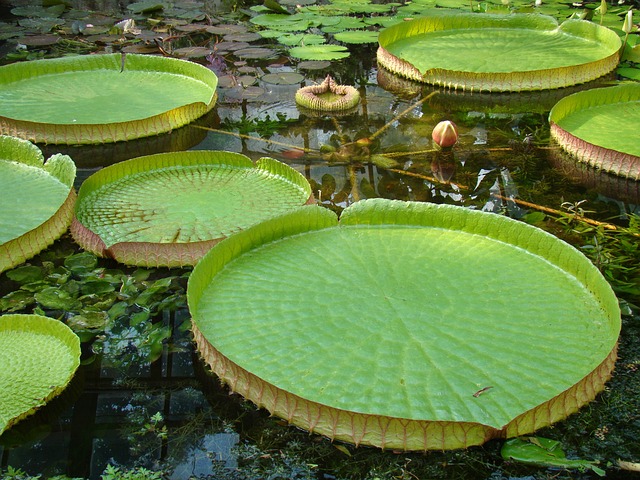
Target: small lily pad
[
  {"x": 357, "y": 36},
  {"x": 293, "y": 39},
  {"x": 255, "y": 53},
  {"x": 319, "y": 52}
]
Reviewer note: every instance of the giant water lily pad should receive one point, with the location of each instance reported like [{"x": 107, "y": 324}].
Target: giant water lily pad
[
  {"x": 490, "y": 52},
  {"x": 37, "y": 199},
  {"x": 407, "y": 325},
  {"x": 38, "y": 358},
  {"x": 600, "y": 127},
  {"x": 102, "y": 98},
  {"x": 169, "y": 209}
]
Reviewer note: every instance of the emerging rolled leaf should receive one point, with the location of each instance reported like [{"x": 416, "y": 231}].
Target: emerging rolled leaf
[
  {"x": 170, "y": 209},
  {"x": 600, "y": 127},
  {"x": 38, "y": 357},
  {"x": 102, "y": 98},
  {"x": 407, "y": 325},
  {"x": 498, "y": 52},
  {"x": 328, "y": 96},
  {"x": 37, "y": 200}
]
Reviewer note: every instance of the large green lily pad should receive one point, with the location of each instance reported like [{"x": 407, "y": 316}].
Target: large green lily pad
[
  {"x": 102, "y": 98},
  {"x": 600, "y": 127},
  {"x": 38, "y": 358},
  {"x": 169, "y": 209},
  {"x": 37, "y": 199},
  {"x": 407, "y": 325},
  {"x": 493, "y": 52}
]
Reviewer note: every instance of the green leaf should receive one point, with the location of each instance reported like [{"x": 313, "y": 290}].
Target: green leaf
[
  {"x": 600, "y": 127},
  {"x": 56, "y": 299},
  {"x": 26, "y": 274},
  {"x": 214, "y": 194},
  {"x": 89, "y": 321},
  {"x": 319, "y": 52},
  {"x": 37, "y": 200},
  {"x": 16, "y": 301},
  {"x": 48, "y": 353},
  {"x": 81, "y": 263},
  {"x": 417, "y": 341},
  {"x": 102, "y": 98},
  {"x": 357, "y": 36},
  {"x": 544, "y": 452},
  {"x": 291, "y": 39},
  {"x": 527, "y": 51},
  {"x": 275, "y": 7}
]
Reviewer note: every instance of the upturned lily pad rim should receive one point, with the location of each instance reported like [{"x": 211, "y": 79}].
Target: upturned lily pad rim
[
  {"x": 595, "y": 147},
  {"x": 133, "y": 122},
  {"x": 355, "y": 425},
  {"x": 534, "y": 78},
  {"x": 107, "y": 240},
  {"x": 328, "y": 96},
  {"x": 41, "y": 224},
  {"x": 15, "y": 404}
]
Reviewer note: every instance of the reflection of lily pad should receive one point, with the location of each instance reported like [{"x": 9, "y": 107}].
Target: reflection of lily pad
[
  {"x": 37, "y": 200},
  {"x": 600, "y": 127},
  {"x": 170, "y": 209},
  {"x": 357, "y": 36},
  {"x": 38, "y": 357},
  {"x": 498, "y": 52},
  {"x": 407, "y": 325},
  {"x": 102, "y": 98}
]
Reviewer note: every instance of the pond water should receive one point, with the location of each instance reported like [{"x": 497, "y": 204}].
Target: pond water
[{"x": 143, "y": 398}]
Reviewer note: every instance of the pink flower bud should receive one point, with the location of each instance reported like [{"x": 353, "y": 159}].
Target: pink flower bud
[{"x": 445, "y": 134}]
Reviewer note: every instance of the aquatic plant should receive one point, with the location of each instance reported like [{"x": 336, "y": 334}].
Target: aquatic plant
[
  {"x": 102, "y": 98},
  {"x": 600, "y": 127},
  {"x": 170, "y": 209},
  {"x": 445, "y": 134},
  {"x": 37, "y": 199},
  {"x": 408, "y": 370},
  {"x": 38, "y": 358},
  {"x": 528, "y": 52},
  {"x": 328, "y": 96}
]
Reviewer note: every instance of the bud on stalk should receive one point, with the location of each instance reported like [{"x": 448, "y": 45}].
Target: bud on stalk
[{"x": 445, "y": 134}]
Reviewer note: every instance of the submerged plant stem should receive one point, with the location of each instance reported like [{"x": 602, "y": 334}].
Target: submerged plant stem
[
  {"x": 401, "y": 114},
  {"x": 524, "y": 203},
  {"x": 249, "y": 137}
]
